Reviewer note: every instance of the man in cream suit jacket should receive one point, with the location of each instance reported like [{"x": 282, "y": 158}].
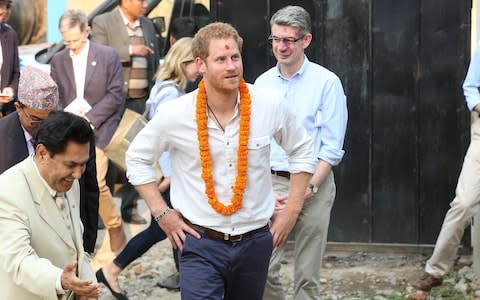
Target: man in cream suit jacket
[{"x": 42, "y": 255}]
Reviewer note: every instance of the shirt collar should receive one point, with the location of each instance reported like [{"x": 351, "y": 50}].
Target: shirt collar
[
  {"x": 298, "y": 73},
  {"x": 51, "y": 191},
  {"x": 135, "y": 24},
  {"x": 83, "y": 52},
  {"x": 28, "y": 136}
]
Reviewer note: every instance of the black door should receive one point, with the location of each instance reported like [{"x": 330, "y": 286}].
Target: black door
[{"x": 402, "y": 64}]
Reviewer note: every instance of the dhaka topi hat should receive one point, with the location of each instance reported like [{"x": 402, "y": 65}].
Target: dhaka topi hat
[{"x": 37, "y": 90}]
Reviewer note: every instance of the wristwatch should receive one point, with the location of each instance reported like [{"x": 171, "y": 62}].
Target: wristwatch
[{"x": 313, "y": 188}]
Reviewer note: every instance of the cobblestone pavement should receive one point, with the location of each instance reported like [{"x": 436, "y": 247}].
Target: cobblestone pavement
[{"x": 345, "y": 275}]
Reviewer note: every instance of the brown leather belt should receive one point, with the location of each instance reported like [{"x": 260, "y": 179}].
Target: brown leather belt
[
  {"x": 281, "y": 173},
  {"x": 217, "y": 235}
]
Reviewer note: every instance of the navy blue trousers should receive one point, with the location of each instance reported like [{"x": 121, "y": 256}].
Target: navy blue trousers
[{"x": 213, "y": 269}]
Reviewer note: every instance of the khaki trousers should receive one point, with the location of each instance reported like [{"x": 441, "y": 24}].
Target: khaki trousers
[
  {"x": 462, "y": 208},
  {"x": 106, "y": 207},
  {"x": 310, "y": 232}
]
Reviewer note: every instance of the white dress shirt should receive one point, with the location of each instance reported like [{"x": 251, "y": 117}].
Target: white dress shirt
[
  {"x": 162, "y": 92},
  {"x": 174, "y": 129},
  {"x": 79, "y": 62}
]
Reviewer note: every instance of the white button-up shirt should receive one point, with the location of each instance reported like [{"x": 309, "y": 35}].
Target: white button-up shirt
[
  {"x": 79, "y": 62},
  {"x": 174, "y": 129}
]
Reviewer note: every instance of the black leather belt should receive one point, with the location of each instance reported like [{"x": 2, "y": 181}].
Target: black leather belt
[
  {"x": 217, "y": 235},
  {"x": 281, "y": 173}
]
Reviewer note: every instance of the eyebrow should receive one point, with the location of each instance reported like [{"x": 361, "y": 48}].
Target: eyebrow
[{"x": 74, "y": 163}]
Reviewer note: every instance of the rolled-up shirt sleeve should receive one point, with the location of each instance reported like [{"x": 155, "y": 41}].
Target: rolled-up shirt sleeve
[
  {"x": 294, "y": 140},
  {"x": 333, "y": 123},
  {"x": 144, "y": 151}
]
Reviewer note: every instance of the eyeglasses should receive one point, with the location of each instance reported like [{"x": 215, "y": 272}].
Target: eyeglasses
[
  {"x": 81, "y": 38},
  {"x": 286, "y": 40},
  {"x": 74, "y": 42},
  {"x": 33, "y": 120}
]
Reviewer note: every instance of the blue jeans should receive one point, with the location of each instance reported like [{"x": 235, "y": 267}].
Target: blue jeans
[{"x": 213, "y": 269}]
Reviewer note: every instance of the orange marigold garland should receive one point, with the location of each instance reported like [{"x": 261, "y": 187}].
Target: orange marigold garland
[{"x": 242, "y": 152}]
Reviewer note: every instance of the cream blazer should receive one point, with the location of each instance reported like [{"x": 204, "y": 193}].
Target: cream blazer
[{"x": 35, "y": 242}]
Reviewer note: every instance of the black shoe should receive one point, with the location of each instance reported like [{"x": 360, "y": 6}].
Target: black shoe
[
  {"x": 101, "y": 278},
  {"x": 172, "y": 282},
  {"x": 134, "y": 218}
]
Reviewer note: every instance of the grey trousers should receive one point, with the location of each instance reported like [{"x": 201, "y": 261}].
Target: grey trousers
[{"x": 310, "y": 232}]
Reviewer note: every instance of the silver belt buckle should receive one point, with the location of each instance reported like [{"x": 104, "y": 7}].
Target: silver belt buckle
[{"x": 238, "y": 238}]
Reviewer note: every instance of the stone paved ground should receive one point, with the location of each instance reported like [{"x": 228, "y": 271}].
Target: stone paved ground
[{"x": 345, "y": 275}]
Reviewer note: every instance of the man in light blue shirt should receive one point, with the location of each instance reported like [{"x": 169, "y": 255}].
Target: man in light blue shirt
[
  {"x": 316, "y": 96},
  {"x": 467, "y": 194}
]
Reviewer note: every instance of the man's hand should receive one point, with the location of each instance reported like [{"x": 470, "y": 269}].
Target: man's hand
[
  {"x": 284, "y": 220},
  {"x": 282, "y": 223},
  {"x": 280, "y": 202},
  {"x": 172, "y": 222},
  {"x": 80, "y": 287},
  {"x": 6, "y": 95},
  {"x": 141, "y": 50},
  {"x": 308, "y": 194},
  {"x": 174, "y": 227}
]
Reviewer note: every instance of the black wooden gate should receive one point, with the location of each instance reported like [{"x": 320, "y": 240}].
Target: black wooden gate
[{"x": 402, "y": 64}]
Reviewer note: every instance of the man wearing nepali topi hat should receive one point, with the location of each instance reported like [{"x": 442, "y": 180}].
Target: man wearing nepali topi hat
[
  {"x": 37, "y": 97},
  {"x": 42, "y": 254}
]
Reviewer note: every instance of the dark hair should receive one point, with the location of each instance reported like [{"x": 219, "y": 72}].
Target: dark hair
[
  {"x": 183, "y": 27},
  {"x": 60, "y": 128}
]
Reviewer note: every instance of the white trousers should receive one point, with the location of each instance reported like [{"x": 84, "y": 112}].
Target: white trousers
[{"x": 462, "y": 208}]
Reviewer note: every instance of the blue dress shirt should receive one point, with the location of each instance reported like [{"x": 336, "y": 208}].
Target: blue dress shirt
[
  {"x": 472, "y": 82},
  {"x": 316, "y": 96}
]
